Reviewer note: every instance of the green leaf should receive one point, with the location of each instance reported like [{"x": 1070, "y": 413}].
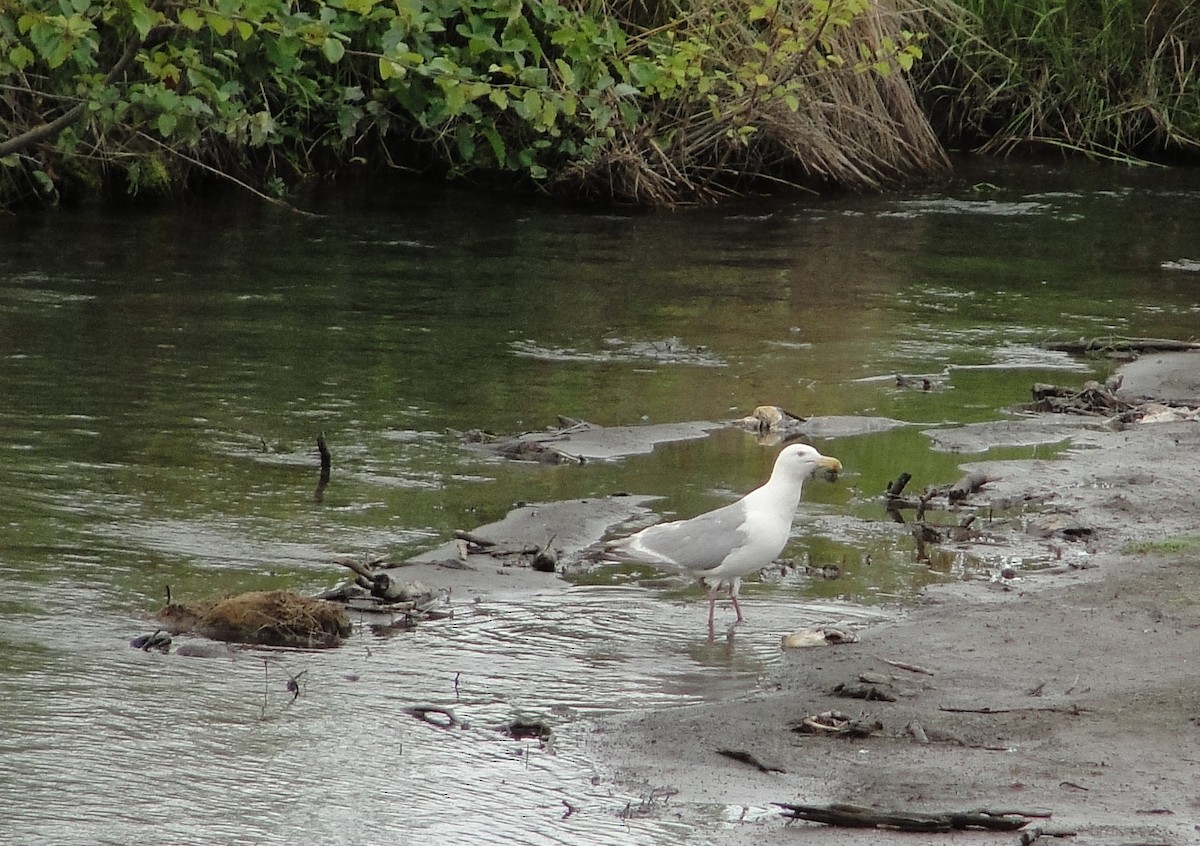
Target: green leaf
[
  {"x": 333, "y": 49},
  {"x": 219, "y": 24},
  {"x": 190, "y": 19},
  {"x": 166, "y": 124},
  {"x": 566, "y": 72},
  {"x": 389, "y": 69},
  {"x": 21, "y": 57},
  {"x": 493, "y": 138},
  {"x": 142, "y": 17}
]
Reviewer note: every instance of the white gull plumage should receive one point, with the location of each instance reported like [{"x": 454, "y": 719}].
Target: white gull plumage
[{"x": 735, "y": 540}]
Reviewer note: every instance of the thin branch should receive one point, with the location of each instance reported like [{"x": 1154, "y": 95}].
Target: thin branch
[
  {"x": 230, "y": 177},
  {"x": 49, "y": 131}
]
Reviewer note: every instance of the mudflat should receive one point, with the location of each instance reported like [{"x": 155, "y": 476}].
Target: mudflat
[{"x": 1072, "y": 692}]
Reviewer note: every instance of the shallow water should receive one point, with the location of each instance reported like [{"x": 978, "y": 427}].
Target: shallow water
[{"x": 166, "y": 372}]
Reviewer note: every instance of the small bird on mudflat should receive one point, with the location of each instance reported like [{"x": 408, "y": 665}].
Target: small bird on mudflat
[{"x": 735, "y": 540}]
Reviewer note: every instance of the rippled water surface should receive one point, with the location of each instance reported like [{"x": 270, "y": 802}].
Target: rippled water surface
[{"x": 166, "y": 372}]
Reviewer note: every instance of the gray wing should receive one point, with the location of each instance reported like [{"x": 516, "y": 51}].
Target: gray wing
[{"x": 698, "y": 544}]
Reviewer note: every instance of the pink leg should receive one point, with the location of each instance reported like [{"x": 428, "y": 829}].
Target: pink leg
[{"x": 736, "y": 607}]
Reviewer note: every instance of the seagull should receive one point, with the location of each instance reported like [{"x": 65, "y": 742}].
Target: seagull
[{"x": 735, "y": 540}]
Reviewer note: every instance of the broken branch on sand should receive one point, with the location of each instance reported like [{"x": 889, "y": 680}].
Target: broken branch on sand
[
  {"x": 1074, "y": 710},
  {"x": 904, "y": 665},
  {"x": 858, "y": 816},
  {"x": 744, "y": 757},
  {"x": 1116, "y": 343}
]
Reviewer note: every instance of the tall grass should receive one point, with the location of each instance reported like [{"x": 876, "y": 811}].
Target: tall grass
[
  {"x": 1113, "y": 78},
  {"x": 780, "y": 91}
]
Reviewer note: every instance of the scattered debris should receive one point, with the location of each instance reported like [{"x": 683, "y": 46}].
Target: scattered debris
[
  {"x": 268, "y": 618},
  {"x": 1093, "y": 399},
  {"x": 541, "y": 447},
  {"x": 160, "y": 641},
  {"x": 837, "y": 723},
  {"x": 927, "y": 382},
  {"x": 522, "y": 729},
  {"x": 956, "y": 494},
  {"x": 819, "y": 636},
  {"x": 1096, "y": 400},
  {"x": 869, "y": 692}
]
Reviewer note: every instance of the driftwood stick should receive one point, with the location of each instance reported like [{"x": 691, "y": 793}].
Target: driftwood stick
[
  {"x": 904, "y": 665},
  {"x": 744, "y": 757},
  {"x": 858, "y": 816},
  {"x": 1117, "y": 343},
  {"x": 968, "y": 485},
  {"x": 326, "y": 461},
  {"x": 894, "y": 489},
  {"x": 477, "y": 540},
  {"x": 1073, "y": 710}
]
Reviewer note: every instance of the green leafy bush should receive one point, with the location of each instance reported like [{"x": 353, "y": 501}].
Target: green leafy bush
[{"x": 676, "y": 104}]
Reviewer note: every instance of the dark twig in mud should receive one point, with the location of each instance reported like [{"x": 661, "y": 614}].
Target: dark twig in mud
[
  {"x": 293, "y": 684},
  {"x": 1073, "y": 710},
  {"x": 326, "y": 461},
  {"x": 424, "y": 714},
  {"x": 904, "y": 665},
  {"x": 744, "y": 757},
  {"x": 857, "y": 816}
]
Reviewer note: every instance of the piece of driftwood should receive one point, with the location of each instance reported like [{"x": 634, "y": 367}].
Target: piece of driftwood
[
  {"x": 744, "y": 757},
  {"x": 326, "y": 462},
  {"x": 1117, "y": 343},
  {"x": 968, "y": 485},
  {"x": 904, "y": 665},
  {"x": 859, "y": 816},
  {"x": 1073, "y": 710}
]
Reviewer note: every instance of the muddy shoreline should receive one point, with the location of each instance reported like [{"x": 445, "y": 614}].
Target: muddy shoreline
[{"x": 1074, "y": 692}]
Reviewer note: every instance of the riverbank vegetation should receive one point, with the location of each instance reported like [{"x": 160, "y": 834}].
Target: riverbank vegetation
[
  {"x": 1118, "y": 79},
  {"x": 682, "y": 101}
]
